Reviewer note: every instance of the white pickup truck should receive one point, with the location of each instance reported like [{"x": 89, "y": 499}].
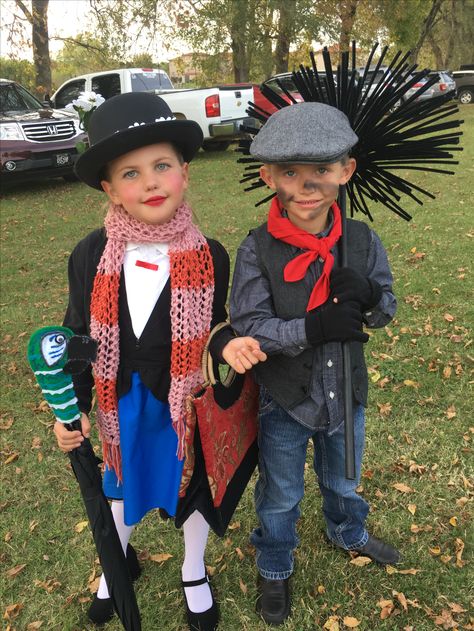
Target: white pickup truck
[{"x": 220, "y": 111}]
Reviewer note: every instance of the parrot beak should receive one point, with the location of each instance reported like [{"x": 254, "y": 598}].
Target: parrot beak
[{"x": 81, "y": 351}]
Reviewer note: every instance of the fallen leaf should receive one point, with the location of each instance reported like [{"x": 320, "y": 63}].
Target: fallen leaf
[
  {"x": 321, "y": 589},
  {"x": 453, "y": 521},
  {"x": 332, "y": 624},
  {"x": 79, "y": 527},
  {"x": 459, "y": 547},
  {"x": 351, "y": 622},
  {"x": 240, "y": 554},
  {"x": 12, "y": 611},
  {"x": 400, "y": 596},
  {"x": 455, "y": 608},
  {"x": 384, "y": 408},
  {"x": 445, "y": 620},
  {"x": 34, "y": 625},
  {"x": 412, "y": 508},
  {"x": 6, "y": 424},
  {"x": 411, "y": 384},
  {"x": 243, "y": 586},
  {"x": 94, "y": 585},
  {"x": 448, "y": 317},
  {"x": 411, "y": 570},
  {"x": 361, "y": 561},
  {"x": 386, "y": 608},
  {"x": 160, "y": 558},
  {"x": 451, "y": 411},
  {"x": 12, "y": 457},
  {"x": 14, "y": 571},
  {"x": 435, "y": 551},
  {"x": 403, "y": 488},
  {"x": 234, "y": 525}
]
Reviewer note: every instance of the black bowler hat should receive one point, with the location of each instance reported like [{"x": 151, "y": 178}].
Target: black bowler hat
[{"x": 127, "y": 122}]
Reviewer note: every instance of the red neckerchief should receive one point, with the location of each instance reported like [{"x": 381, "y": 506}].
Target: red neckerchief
[{"x": 281, "y": 228}]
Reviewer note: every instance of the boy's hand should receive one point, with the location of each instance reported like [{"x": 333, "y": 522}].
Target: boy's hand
[
  {"x": 67, "y": 440},
  {"x": 335, "y": 323},
  {"x": 348, "y": 284},
  {"x": 242, "y": 353}
]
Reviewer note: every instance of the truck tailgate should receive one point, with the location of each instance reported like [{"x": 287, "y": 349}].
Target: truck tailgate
[{"x": 234, "y": 101}]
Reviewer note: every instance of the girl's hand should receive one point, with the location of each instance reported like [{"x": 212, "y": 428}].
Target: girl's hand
[
  {"x": 67, "y": 440},
  {"x": 242, "y": 353}
]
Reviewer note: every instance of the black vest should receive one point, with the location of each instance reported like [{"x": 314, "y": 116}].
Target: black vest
[{"x": 288, "y": 379}]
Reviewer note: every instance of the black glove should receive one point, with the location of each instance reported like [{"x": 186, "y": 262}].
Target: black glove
[
  {"x": 347, "y": 284},
  {"x": 335, "y": 323}
]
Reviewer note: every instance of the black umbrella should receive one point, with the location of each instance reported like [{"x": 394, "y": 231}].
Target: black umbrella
[
  {"x": 55, "y": 354},
  {"x": 396, "y": 130}
]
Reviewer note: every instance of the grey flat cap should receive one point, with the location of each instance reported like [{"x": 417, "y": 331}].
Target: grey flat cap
[{"x": 304, "y": 132}]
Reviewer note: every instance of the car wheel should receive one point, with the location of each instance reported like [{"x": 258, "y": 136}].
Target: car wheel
[
  {"x": 209, "y": 145},
  {"x": 465, "y": 96}
]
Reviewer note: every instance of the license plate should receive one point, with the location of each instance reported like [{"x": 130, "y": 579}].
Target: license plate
[{"x": 62, "y": 159}]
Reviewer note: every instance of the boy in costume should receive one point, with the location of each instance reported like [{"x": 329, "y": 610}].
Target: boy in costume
[{"x": 290, "y": 295}]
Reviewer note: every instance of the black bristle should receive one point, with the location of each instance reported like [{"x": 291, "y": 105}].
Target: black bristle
[{"x": 419, "y": 135}]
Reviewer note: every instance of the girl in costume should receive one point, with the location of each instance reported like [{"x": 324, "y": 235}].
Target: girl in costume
[{"x": 148, "y": 287}]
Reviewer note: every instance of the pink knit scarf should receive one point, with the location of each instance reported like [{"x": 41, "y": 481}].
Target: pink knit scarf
[{"x": 192, "y": 292}]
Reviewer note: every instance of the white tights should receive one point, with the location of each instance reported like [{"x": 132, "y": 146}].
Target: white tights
[{"x": 195, "y": 530}]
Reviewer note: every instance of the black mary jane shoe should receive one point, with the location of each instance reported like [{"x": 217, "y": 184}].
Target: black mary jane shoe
[
  {"x": 273, "y": 602},
  {"x": 102, "y": 609},
  {"x": 205, "y": 620}
]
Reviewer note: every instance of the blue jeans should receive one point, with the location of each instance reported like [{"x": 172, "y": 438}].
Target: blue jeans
[{"x": 283, "y": 444}]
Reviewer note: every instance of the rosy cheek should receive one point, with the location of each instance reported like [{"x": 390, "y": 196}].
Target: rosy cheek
[{"x": 175, "y": 182}]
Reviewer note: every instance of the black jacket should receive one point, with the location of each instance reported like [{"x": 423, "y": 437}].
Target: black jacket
[{"x": 150, "y": 354}]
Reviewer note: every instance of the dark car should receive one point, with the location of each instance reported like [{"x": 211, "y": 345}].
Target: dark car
[
  {"x": 464, "y": 85},
  {"x": 36, "y": 141}
]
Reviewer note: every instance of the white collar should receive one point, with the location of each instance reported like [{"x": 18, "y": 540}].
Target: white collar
[{"x": 161, "y": 248}]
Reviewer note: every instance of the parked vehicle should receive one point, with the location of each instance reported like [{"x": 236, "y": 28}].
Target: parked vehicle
[
  {"x": 286, "y": 80},
  {"x": 444, "y": 85},
  {"x": 220, "y": 111},
  {"x": 35, "y": 139},
  {"x": 464, "y": 85}
]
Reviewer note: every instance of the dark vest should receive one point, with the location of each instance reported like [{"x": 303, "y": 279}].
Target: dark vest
[{"x": 288, "y": 379}]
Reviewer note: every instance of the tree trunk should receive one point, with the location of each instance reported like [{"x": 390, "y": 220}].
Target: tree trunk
[
  {"x": 284, "y": 34},
  {"x": 347, "y": 14},
  {"x": 237, "y": 34},
  {"x": 426, "y": 28},
  {"x": 38, "y": 18},
  {"x": 437, "y": 52},
  {"x": 41, "y": 46}
]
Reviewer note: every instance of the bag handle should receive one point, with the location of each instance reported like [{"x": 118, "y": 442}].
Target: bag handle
[{"x": 207, "y": 366}]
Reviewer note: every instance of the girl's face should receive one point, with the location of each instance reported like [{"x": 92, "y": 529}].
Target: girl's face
[{"x": 149, "y": 182}]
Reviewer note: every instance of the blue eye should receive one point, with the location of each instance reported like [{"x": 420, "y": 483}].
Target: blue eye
[
  {"x": 322, "y": 170},
  {"x": 290, "y": 173},
  {"x": 130, "y": 174},
  {"x": 162, "y": 166}
]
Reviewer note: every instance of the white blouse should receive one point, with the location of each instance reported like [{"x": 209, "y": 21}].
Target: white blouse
[{"x": 146, "y": 269}]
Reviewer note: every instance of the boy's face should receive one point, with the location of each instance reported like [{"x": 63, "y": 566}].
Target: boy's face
[
  {"x": 306, "y": 191},
  {"x": 149, "y": 182}
]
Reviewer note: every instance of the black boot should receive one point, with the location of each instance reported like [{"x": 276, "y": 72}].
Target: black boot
[
  {"x": 273, "y": 602},
  {"x": 102, "y": 609},
  {"x": 379, "y": 551}
]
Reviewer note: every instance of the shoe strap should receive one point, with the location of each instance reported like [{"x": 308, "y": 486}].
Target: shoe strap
[{"x": 200, "y": 581}]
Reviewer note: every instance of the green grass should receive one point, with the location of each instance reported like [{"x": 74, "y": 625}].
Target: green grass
[{"x": 418, "y": 430}]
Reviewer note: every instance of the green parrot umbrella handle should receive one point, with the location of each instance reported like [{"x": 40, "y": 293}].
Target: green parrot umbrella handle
[{"x": 55, "y": 354}]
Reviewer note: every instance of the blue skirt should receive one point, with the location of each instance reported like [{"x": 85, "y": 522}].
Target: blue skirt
[{"x": 151, "y": 471}]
